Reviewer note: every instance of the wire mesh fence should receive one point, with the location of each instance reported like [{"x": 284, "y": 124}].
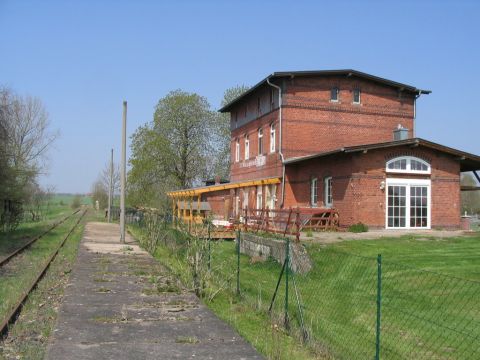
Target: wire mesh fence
[{"x": 346, "y": 307}]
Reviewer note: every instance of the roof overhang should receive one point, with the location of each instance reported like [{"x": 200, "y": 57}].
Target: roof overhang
[
  {"x": 234, "y": 185},
  {"x": 341, "y": 72},
  {"x": 468, "y": 162}
]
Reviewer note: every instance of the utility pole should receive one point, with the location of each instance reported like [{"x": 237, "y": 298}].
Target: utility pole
[
  {"x": 123, "y": 174},
  {"x": 110, "y": 189}
]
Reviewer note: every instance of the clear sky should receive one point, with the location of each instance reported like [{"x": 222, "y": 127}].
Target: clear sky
[{"x": 83, "y": 58}]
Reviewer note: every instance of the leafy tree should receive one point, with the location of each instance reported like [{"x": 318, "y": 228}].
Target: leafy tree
[
  {"x": 175, "y": 150},
  {"x": 76, "y": 202},
  {"x": 25, "y": 138},
  {"x": 100, "y": 194}
]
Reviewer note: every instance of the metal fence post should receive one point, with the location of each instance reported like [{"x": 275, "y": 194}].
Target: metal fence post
[
  {"x": 209, "y": 256},
  {"x": 379, "y": 306},
  {"x": 238, "y": 262},
  {"x": 287, "y": 268}
]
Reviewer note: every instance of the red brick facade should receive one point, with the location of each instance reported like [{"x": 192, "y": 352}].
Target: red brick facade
[
  {"x": 365, "y": 111},
  {"x": 357, "y": 180}
]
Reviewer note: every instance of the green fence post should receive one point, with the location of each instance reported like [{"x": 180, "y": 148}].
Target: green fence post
[
  {"x": 379, "y": 306},
  {"x": 287, "y": 267},
  {"x": 209, "y": 257},
  {"x": 238, "y": 262}
]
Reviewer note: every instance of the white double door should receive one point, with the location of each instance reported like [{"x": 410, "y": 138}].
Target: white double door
[{"x": 408, "y": 204}]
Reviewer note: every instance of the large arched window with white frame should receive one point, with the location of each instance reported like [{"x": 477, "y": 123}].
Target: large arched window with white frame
[
  {"x": 408, "y": 200},
  {"x": 408, "y": 164}
]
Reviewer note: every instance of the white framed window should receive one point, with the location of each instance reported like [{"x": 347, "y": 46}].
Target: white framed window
[
  {"x": 237, "y": 150},
  {"x": 260, "y": 141},
  {"x": 408, "y": 164},
  {"x": 356, "y": 96},
  {"x": 334, "y": 94},
  {"x": 259, "y": 197},
  {"x": 408, "y": 204},
  {"x": 270, "y": 195},
  {"x": 247, "y": 147},
  {"x": 327, "y": 190},
  {"x": 245, "y": 199},
  {"x": 314, "y": 192},
  {"x": 272, "y": 138}
]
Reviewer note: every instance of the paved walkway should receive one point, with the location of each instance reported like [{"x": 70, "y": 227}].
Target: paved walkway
[{"x": 122, "y": 304}]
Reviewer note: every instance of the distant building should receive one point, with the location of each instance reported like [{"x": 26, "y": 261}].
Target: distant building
[{"x": 338, "y": 139}]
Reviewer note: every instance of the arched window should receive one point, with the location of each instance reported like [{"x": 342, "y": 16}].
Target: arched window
[{"x": 408, "y": 164}]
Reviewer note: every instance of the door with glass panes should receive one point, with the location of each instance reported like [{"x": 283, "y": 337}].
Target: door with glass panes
[{"x": 408, "y": 204}]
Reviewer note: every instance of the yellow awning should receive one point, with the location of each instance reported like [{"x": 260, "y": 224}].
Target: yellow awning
[{"x": 236, "y": 185}]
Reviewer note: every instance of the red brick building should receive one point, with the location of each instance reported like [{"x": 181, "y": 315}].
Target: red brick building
[{"x": 338, "y": 139}]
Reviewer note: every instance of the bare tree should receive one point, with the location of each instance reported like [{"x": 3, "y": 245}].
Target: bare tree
[
  {"x": 25, "y": 137},
  {"x": 28, "y": 132},
  {"x": 105, "y": 177}
]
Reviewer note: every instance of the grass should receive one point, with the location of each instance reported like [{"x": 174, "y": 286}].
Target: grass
[
  {"x": 429, "y": 306},
  {"x": 28, "y": 337},
  {"x": 26, "y": 230},
  {"x": 254, "y": 326}
]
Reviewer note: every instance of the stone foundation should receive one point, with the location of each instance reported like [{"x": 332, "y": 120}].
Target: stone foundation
[{"x": 254, "y": 245}]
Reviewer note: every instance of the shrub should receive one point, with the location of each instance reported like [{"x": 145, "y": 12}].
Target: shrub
[
  {"x": 76, "y": 202},
  {"x": 358, "y": 228}
]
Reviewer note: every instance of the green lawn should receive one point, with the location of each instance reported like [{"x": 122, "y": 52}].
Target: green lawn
[{"x": 430, "y": 292}]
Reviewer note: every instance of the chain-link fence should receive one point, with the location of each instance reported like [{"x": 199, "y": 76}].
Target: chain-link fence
[{"x": 345, "y": 307}]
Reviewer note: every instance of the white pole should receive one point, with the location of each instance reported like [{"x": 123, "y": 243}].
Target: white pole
[
  {"x": 123, "y": 174},
  {"x": 110, "y": 189}
]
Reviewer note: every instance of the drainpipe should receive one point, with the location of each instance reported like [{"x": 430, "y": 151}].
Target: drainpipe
[
  {"x": 415, "y": 112},
  {"x": 280, "y": 138}
]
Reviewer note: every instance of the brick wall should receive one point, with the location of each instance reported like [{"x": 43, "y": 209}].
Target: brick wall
[
  {"x": 356, "y": 185},
  {"x": 247, "y": 169},
  {"x": 312, "y": 123}
]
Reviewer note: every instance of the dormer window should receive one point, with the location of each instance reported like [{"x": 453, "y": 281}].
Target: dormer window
[
  {"x": 408, "y": 164},
  {"x": 334, "y": 92},
  {"x": 356, "y": 96}
]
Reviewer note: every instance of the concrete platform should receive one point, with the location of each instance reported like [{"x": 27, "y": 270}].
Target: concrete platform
[{"x": 122, "y": 304}]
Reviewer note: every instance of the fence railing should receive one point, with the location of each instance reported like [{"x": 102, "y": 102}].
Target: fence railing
[
  {"x": 290, "y": 221},
  {"x": 346, "y": 307}
]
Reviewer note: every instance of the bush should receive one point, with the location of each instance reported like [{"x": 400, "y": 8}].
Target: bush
[
  {"x": 358, "y": 228},
  {"x": 76, "y": 202}
]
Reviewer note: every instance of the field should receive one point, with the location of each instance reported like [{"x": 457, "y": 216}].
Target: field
[{"x": 429, "y": 298}]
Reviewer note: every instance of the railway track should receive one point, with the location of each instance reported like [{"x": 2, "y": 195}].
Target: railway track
[
  {"x": 7, "y": 258},
  {"x": 12, "y": 315}
]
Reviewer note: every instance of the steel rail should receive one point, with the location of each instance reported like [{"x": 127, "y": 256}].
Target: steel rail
[
  {"x": 12, "y": 316},
  {"x": 26, "y": 245}
]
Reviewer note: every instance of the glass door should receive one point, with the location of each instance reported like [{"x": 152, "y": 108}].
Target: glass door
[
  {"x": 397, "y": 195},
  {"x": 408, "y": 204}
]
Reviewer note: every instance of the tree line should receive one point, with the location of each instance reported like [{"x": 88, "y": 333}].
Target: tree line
[{"x": 25, "y": 137}]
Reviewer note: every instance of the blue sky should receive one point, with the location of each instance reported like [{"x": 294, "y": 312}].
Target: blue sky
[{"x": 83, "y": 58}]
